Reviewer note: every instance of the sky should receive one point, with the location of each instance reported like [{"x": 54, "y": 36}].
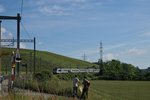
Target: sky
[{"x": 76, "y": 27}]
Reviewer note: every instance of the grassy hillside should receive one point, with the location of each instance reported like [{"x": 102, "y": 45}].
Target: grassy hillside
[{"x": 44, "y": 60}]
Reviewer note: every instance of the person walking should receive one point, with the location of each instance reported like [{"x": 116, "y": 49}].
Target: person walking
[
  {"x": 75, "y": 86},
  {"x": 86, "y": 84}
]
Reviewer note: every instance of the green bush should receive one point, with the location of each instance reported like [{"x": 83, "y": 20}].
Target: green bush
[
  {"x": 70, "y": 76},
  {"x": 43, "y": 76}
]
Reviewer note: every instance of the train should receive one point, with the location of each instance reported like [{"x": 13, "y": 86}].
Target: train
[{"x": 74, "y": 70}]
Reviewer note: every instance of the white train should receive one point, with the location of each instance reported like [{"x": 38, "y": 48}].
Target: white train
[{"x": 73, "y": 70}]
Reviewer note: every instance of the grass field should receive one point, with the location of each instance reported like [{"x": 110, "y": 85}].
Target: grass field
[
  {"x": 102, "y": 90},
  {"x": 119, "y": 90}
]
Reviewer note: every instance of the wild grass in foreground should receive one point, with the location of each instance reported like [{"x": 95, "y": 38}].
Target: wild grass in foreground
[
  {"x": 53, "y": 86},
  {"x": 18, "y": 96},
  {"x": 99, "y": 90}
]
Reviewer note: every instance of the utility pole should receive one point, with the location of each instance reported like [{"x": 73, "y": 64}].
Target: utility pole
[
  {"x": 30, "y": 63},
  {"x": 0, "y": 60},
  {"x": 18, "y": 18},
  {"x": 18, "y": 39},
  {"x": 101, "y": 59},
  {"x": 0, "y": 50},
  {"x": 18, "y": 57},
  {"x": 34, "y": 53},
  {"x": 13, "y": 65}
]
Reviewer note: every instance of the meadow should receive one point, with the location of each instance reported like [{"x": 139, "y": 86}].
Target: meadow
[
  {"x": 119, "y": 90},
  {"x": 103, "y": 90}
]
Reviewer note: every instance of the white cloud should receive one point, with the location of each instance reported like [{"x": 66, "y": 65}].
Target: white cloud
[
  {"x": 38, "y": 3},
  {"x": 93, "y": 53},
  {"x": 88, "y": 51},
  {"x": 40, "y": 43},
  {"x": 3, "y": 30},
  {"x": 54, "y": 10},
  {"x": 116, "y": 46},
  {"x": 135, "y": 52},
  {"x": 1, "y": 9},
  {"x": 109, "y": 56},
  {"x": 10, "y": 35},
  {"x": 146, "y": 34},
  {"x": 63, "y": 7},
  {"x": 23, "y": 46},
  {"x": 130, "y": 53},
  {"x": 6, "y": 34},
  {"x": 74, "y": 1}
]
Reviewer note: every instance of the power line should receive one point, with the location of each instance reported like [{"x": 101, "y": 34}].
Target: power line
[
  {"x": 25, "y": 30},
  {"x": 21, "y": 7},
  {"x": 21, "y": 11}
]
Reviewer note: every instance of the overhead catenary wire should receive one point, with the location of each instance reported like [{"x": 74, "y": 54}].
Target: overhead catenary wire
[
  {"x": 21, "y": 12},
  {"x": 25, "y": 30},
  {"x": 21, "y": 9}
]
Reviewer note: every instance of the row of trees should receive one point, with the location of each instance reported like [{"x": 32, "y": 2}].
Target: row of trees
[{"x": 116, "y": 70}]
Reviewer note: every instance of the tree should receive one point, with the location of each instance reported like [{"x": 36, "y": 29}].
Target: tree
[{"x": 115, "y": 70}]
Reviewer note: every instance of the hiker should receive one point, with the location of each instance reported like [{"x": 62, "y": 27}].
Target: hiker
[
  {"x": 75, "y": 86},
  {"x": 86, "y": 84}
]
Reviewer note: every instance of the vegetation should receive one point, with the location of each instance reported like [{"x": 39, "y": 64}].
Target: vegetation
[
  {"x": 119, "y": 90},
  {"x": 44, "y": 61},
  {"x": 33, "y": 96},
  {"x": 43, "y": 79},
  {"x": 108, "y": 90},
  {"x": 53, "y": 86},
  {"x": 116, "y": 70}
]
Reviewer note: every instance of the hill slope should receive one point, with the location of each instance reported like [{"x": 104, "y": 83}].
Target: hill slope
[{"x": 44, "y": 60}]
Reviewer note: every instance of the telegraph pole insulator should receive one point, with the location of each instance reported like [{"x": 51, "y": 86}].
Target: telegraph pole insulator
[{"x": 18, "y": 58}]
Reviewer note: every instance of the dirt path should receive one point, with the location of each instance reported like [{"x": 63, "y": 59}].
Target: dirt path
[
  {"x": 44, "y": 95},
  {"x": 32, "y": 93}
]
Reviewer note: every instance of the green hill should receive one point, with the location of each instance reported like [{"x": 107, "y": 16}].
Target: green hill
[{"x": 44, "y": 60}]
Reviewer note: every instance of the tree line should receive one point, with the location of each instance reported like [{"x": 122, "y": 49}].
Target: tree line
[{"x": 116, "y": 70}]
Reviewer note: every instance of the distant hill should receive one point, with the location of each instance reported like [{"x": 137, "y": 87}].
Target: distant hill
[{"x": 44, "y": 60}]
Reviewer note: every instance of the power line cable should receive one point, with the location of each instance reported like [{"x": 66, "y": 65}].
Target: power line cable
[
  {"x": 21, "y": 11},
  {"x": 25, "y": 30},
  {"x": 21, "y": 7}
]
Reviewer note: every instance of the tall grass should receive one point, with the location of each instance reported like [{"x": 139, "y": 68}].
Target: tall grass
[
  {"x": 99, "y": 90},
  {"x": 53, "y": 86},
  {"x": 18, "y": 96}
]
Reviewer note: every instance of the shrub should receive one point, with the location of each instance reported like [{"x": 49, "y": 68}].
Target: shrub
[
  {"x": 53, "y": 86},
  {"x": 43, "y": 76}
]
